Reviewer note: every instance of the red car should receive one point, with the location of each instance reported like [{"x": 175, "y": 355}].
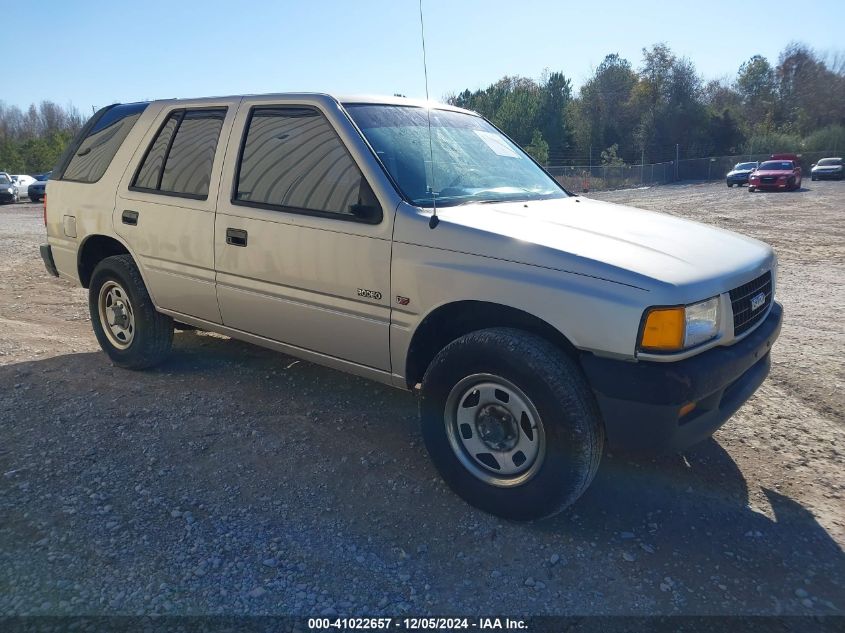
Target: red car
[{"x": 776, "y": 174}]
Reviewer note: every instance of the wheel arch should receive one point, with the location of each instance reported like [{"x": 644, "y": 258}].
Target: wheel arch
[
  {"x": 450, "y": 321},
  {"x": 94, "y": 249}
]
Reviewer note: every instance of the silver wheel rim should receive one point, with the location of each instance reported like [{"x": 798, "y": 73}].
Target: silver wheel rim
[
  {"x": 116, "y": 314},
  {"x": 495, "y": 430}
]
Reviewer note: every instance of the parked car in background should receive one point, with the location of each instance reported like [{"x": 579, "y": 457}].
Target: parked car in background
[
  {"x": 827, "y": 168},
  {"x": 8, "y": 188},
  {"x": 23, "y": 182},
  {"x": 44, "y": 176},
  {"x": 776, "y": 175},
  {"x": 38, "y": 188},
  {"x": 740, "y": 173}
]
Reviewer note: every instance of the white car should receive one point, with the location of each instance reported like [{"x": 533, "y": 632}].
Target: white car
[
  {"x": 537, "y": 326},
  {"x": 827, "y": 169},
  {"x": 22, "y": 181}
]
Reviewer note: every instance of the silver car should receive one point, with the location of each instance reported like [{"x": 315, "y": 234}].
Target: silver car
[{"x": 418, "y": 246}]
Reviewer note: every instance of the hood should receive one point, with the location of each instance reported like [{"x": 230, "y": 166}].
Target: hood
[
  {"x": 645, "y": 249},
  {"x": 773, "y": 172},
  {"x": 739, "y": 171},
  {"x": 827, "y": 167}
]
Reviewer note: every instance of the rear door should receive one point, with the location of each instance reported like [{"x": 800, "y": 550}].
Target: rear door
[
  {"x": 302, "y": 241},
  {"x": 166, "y": 204}
]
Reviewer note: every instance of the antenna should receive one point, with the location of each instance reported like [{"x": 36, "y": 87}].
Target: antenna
[{"x": 434, "y": 221}]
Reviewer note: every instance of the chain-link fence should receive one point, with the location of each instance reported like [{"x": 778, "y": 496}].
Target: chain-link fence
[{"x": 599, "y": 177}]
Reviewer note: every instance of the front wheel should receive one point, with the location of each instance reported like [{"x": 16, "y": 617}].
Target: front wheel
[
  {"x": 750, "y": 189},
  {"x": 510, "y": 423},
  {"x": 127, "y": 325}
]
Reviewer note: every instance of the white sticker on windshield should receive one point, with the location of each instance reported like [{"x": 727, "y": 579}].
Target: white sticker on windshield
[{"x": 496, "y": 143}]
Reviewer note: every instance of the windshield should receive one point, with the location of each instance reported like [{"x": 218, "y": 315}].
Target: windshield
[
  {"x": 830, "y": 161},
  {"x": 777, "y": 165},
  {"x": 473, "y": 161},
  {"x": 4, "y": 180},
  {"x": 742, "y": 166}
]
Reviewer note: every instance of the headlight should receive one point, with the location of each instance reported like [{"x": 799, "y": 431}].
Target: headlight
[
  {"x": 678, "y": 328},
  {"x": 11, "y": 190}
]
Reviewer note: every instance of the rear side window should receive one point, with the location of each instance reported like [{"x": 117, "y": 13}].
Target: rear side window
[
  {"x": 179, "y": 160},
  {"x": 293, "y": 160},
  {"x": 93, "y": 155}
]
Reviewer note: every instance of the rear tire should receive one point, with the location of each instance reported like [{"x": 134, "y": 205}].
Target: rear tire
[
  {"x": 511, "y": 423},
  {"x": 128, "y": 327}
]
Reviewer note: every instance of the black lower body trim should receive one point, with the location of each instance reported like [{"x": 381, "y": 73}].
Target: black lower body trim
[
  {"x": 47, "y": 256},
  {"x": 641, "y": 402}
]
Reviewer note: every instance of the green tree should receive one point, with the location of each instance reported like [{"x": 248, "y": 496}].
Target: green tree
[
  {"x": 757, "y": 89},
  {"x": 604, "y": 111},
  {"x": 609, "y": 157},
  {"x": 538, "y": 148}
]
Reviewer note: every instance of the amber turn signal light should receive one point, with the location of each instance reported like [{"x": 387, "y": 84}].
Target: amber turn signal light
[{"x": 664, "y": 329}]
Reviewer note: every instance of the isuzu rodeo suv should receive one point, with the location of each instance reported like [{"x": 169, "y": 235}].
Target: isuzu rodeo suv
[{"x": 416, "y": 245}]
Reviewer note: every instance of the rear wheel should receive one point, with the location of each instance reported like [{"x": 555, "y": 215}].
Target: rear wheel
[
  {"x": 127, "y": 325},
  {"x": 510, "y": 423}
]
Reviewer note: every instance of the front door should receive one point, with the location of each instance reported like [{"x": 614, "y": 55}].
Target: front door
[{"x": 302, "y": 243}]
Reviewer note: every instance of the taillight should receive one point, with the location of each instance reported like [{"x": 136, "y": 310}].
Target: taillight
[{"x": 45, "y": 209}]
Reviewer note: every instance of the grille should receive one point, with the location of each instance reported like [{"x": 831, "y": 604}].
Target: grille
[
  {"x": 768, "y": 179},
  {"x": 746, "y": 317}
]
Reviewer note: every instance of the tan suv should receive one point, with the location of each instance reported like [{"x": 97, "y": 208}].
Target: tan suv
[{"x": 419, "y": 247}]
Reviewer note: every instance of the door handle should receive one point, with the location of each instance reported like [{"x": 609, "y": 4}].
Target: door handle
[
  {"x": 129, "y": 217},
  {"x": 236, "y": 237}
]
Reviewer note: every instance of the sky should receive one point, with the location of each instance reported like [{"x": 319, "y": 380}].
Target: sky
[{"x": 90, "y": 54}]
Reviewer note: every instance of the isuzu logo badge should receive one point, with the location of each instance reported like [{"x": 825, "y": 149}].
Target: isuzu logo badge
[{"x": 758, "y": 300}]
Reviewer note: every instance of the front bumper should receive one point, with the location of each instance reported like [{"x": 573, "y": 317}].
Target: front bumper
[
  {"x": 47, "y": 256},
  {"x": 641, "y": 402},
  {"x": 827, "y": 175},
  {"x": 739, "y": 179},
  {"x": 769, "y": 186}
]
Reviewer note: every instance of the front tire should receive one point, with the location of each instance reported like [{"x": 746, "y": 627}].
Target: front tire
[
  {"x": 128, "y": 327},
  {"x": 510, "y": 423}
]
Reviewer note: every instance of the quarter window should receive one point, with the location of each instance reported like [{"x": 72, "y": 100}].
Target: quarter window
[
  {"x": 294, "y": 160},
  {"x": 179, "y": 160},
  {"x": 96, "y": 151}
]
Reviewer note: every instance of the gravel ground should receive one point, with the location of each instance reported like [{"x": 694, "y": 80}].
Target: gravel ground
[{"x": 237, "y": 480}]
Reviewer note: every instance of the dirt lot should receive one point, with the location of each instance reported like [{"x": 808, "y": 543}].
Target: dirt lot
[{"x": 234, "y": 479}]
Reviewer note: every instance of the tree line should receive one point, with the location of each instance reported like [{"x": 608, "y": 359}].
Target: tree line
[
  {"x": 624, "y": 114},
  {"x": 32, "y": 140}
]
